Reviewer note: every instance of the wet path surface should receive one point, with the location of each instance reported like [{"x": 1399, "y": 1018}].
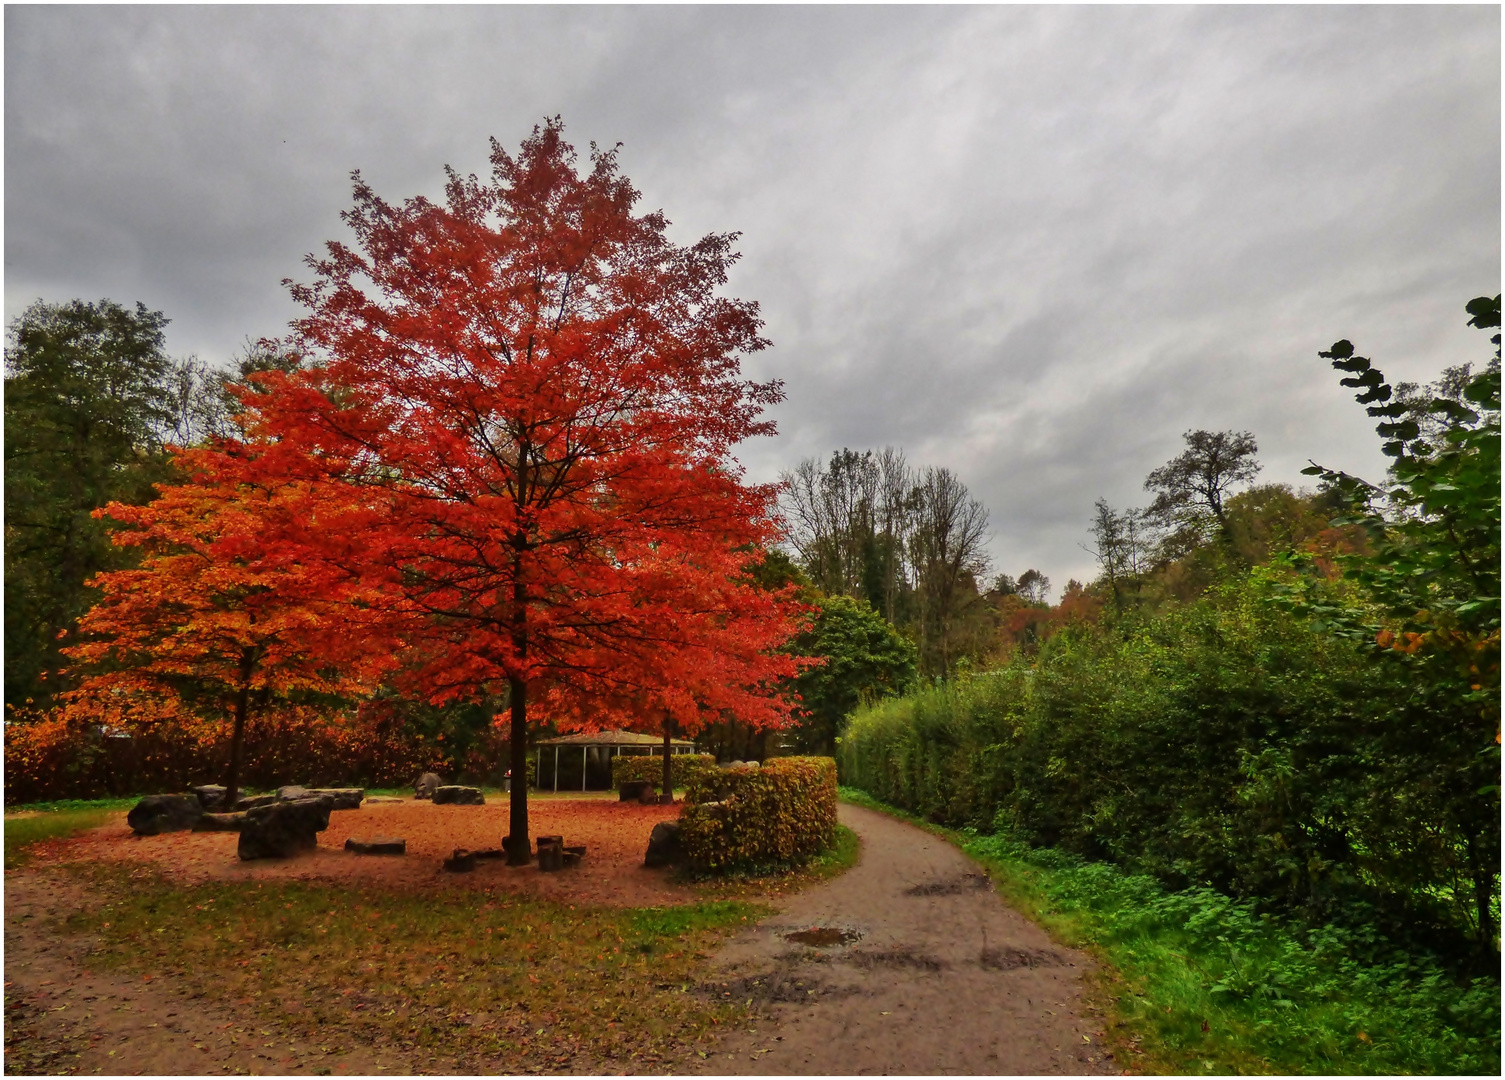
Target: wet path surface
[{"x": 908, "y": 963}]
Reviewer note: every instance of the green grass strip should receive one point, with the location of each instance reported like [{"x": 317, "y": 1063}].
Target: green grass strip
[{"x": 54, "y": 821}]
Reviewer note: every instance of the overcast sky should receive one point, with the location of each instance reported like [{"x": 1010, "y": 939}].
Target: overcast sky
[{"x": 1034, "y": 245}]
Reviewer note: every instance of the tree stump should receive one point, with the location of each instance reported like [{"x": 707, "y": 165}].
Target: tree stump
[{"x": 461, "y": 862}]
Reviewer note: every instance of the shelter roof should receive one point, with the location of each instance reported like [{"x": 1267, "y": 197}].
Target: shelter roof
[{"x": 611, "y": 738}]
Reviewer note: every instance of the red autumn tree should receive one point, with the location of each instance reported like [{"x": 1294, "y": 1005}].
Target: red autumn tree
[
  {"x": 545, "y": 390},
  {"x": 225, "y": 613}
]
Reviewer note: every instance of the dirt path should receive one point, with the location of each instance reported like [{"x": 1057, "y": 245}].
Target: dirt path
[{"x": 938, "y": 975}]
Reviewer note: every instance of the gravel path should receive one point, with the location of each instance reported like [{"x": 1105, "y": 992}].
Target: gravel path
[{"x": 935, "y": 975}]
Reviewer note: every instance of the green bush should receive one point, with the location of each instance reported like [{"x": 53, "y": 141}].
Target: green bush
[
  {"x": 684, "y": 769},
  {"x": 743, "y": 816},
  {"x": 1221, "y": 744}
]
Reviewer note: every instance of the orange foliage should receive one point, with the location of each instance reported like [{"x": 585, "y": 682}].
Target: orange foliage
[
  {"x": 226, "y": 614},
  {"x": 68, "y": 757},
  {"x": 1024, "y": 626}
]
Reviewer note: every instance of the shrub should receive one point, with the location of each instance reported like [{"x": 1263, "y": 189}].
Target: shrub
[
  {"x": 52, "y": 758},
  {"x": 1219, "y": 744},
  {"x": 684, "y": 769},
  {"x": 783, "y": 812}
]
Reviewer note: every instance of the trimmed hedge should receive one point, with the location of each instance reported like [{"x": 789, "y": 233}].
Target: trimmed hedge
[
  {"x": 684, "y": 769},
  {"x": 746, "y": 816}
]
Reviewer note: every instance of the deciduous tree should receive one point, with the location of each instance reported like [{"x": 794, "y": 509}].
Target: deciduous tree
[
  {"x": 545, "y": 390},
  {"x": 1190, "y": 488},
  {"x": 86, "y": 411},
  {"x": 226, "y": 611}
]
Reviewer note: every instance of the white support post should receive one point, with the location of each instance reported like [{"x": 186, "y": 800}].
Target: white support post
[{"x": 556, "y": 768}]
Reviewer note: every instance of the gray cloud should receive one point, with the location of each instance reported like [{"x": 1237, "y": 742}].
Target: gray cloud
[{"x": 1033, "y": 244}]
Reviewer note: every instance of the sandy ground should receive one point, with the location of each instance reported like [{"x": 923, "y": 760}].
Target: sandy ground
[
  {"x": 615, "y": 835},
  {"x": 937, "y": 975}
]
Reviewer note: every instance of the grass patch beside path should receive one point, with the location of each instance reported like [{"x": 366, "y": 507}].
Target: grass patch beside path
[
  {"x": 37, "y": 822},
  {"x": 1198, "y": 983},
  {"x": 515, "y": 984}
]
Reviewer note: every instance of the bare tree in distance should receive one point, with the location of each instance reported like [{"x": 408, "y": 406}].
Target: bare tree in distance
[
  {"x": 947, "y": 548},
  {"x": 1119, "y": 543},
  {"x": 830, "y": 510}
]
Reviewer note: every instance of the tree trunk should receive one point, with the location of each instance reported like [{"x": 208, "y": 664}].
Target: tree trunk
[
  {"x": 237, "y": 738},
  {"x": 518, "y": 851},
  {"x": 1484, "y": 887},
  {"x": 667, "y": 798}
]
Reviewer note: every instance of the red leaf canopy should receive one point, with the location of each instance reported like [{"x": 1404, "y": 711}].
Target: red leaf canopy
[{"x": 537, "y": 393}]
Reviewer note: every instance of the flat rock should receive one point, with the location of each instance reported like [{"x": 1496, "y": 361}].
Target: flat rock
[
  {"x": 459, "y": 795},
  {"x": 289, "y": 792},
  {"x": 345, "y": 798},
  {"x": 209, "y": 794},
  {"x": 383, "y": 798},
  {"x": 427, "y": 784},
  {"x": 283, "y": 829},
  {"x": 246, "y": 802},
  {"x": 377, "y": 845},
  {"x": 208, "y": 822},
  {"x": 164, "y": 813}
]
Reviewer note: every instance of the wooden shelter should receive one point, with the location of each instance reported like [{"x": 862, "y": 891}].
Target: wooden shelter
[{"x": 596, "y": 749}]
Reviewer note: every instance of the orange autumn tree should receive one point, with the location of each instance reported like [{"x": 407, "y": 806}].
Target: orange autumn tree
[
  {"x": 224, "y": 613},
  {"x": 546, "y": 391}
]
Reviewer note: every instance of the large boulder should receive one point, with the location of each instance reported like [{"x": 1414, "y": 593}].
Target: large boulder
[
  {"x": 459, "y": 795},
  {"x": 664, "y": 845},
  {"x": 427, "y": 784},
  {"x": 164, "y": 813},
  {"x": 283, "y": 829},
  {"x": 209, "y": 794},
  {"x": 345, "y": 798},
  {"x": 208, "y": 822}
]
